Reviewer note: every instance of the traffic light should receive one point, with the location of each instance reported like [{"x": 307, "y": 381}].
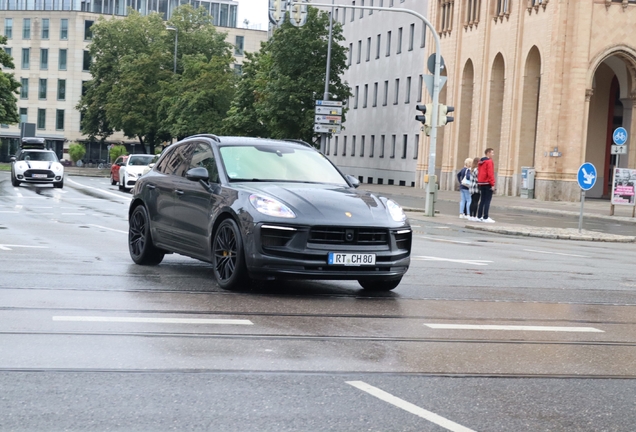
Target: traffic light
[
  {"x": 441, "y": 114},
  {"x": 427, "y": 111},
  {"x": 277, "y": 10},
  {"x": 298, "y": 15}
]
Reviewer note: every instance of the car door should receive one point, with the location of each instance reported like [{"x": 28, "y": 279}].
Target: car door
[
  {"x": 195, "y": 202},
  {"x": 159, "y": 192}
]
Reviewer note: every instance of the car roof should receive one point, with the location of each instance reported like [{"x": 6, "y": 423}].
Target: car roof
[
  {"x": 36, "y": 150},
  {"x": 234, "y": 140}
]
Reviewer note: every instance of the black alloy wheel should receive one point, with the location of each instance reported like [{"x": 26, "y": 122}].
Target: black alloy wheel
[
  {"x": 228, "y": 257},
  {"x": 378, "y": 284},
  {"x": 140, "y": 246}
]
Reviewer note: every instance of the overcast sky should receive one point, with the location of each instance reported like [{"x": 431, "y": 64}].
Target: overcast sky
[{"x": 253, "y": 10}]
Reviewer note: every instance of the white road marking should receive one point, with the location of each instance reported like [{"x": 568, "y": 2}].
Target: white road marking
[
  {"x": 101, "y": 190},
  {"x": 8, "y": 211},
  {"x": 444, "y": 240},
  {"x": 106, "y": 228},
  {"x": 7, "y": 247},
  {"x": 556, "y": 253},
  {"x": 407, "y": 406},
  {"x": 74, "y": 214},
  {"x": 17, "y": 193},
  {"x": 153, "y": 320},
  {"x": 514, "y": 328},
  {"x": 470, "y": 262}
]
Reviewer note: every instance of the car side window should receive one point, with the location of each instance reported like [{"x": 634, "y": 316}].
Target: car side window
[
  {"x": 119, "y": 160},
  {"x": 203, "y": 156},
  {"x": 175, "y": 162}
]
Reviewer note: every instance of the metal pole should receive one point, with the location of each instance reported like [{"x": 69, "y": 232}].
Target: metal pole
[
  {"x": 323, "y": 137},
  {"x": 581, "y": 214},
  {"x": 176, "y": 43}
]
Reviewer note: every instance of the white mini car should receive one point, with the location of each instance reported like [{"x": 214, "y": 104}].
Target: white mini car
[
  {"x": 35, "y": 164},
  {"x": 132, "y": 169}
]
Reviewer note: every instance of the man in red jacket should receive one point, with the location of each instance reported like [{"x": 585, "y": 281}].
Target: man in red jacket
[{"x": 486, "y": 182}]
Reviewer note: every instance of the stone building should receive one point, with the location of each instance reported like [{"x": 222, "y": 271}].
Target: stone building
[{"x": 543, "y": 82}]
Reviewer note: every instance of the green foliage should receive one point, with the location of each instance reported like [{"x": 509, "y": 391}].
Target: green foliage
[
  {"x": 8, "y": 88},
  {"x": 134, "y": 89},
  {"x": 116, "y": 151},
  {"x": 76, "y": 151},
  {"x": 277, "y": 93}
]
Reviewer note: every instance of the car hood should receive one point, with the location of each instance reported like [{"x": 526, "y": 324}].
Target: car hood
[
  {"x": 137, "y": 169},
  {"x": 41, "y": 165},
  {"x": 329, "y": 203}
]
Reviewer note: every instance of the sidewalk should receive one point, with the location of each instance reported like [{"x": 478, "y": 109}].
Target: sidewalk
[{"x": 593, "y": 208}]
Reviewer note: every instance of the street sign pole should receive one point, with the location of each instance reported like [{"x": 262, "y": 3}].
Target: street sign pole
[
  {"x": 431, "y": 184},
  {"x": 323, "y": 137},
  {"x": 586, "y": 178},
  {"x": 581, "y": 213}
]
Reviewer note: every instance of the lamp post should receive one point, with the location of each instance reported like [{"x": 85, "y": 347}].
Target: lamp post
[{"x": 176, "y": 42}]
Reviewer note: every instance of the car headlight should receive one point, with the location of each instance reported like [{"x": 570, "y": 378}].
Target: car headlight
[
  {"x": 271, "y": 207},
  {"x": 396, "y": 212},
  {"x": 22, "y": 166},
  {"x": 57, "y": 167},
  {"x": 132, "y": 175}
]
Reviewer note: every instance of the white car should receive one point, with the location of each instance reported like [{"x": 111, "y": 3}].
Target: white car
[
  {"x": 35, "y": 164},
  {"x": 132, "y": 169}
]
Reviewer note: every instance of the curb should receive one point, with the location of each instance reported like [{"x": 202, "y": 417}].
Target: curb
[{"x": 557, "y": 234}]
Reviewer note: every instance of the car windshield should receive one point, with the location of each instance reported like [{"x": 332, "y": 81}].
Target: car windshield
[
  {"x": 140, "y": 160},
  {"x": 278, "y": 163},
  {"x": 38, "y": 156}
]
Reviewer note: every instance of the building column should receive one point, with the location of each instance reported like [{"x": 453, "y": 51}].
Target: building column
[{"x": 629, "y": 120}]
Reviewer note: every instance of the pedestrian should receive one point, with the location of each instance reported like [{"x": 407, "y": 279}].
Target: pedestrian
[
  {"x": 486, "y": 181},
  {"x": 463, "y": 177},
  {"x": 474, "y": 190}
]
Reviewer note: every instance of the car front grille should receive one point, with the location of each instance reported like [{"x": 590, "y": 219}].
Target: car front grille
[
  {"x": 30, "y": 172},
  {"x": 348, "y": 236}
]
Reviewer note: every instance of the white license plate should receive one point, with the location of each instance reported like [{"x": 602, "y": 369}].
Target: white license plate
[
  {"x": 351, "y": 259},
  {"x": 38, "y": 175}
]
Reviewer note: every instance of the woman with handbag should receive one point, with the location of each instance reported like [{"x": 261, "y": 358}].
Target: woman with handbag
[
  {"x": 474, "y": 190},
  {"x": 464, "y": 183}
]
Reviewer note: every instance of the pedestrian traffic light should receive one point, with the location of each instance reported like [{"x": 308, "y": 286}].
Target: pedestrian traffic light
[
  {"x": 427, "y": 111},
  {"x": 441, "y": 114}
]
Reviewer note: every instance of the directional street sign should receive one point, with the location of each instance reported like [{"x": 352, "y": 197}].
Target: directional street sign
[
  {"x": 326, "y": 119},
  {"x": 324, "y": 128},
  {"x": 328, "y": 110},
  {"x": 329, "y": 103},
  {"x": 586, "y": 176},
  {"x": 620, "y": 136},
  {"x": 619, "y": 150}
]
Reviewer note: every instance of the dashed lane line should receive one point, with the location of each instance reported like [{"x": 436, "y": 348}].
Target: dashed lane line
[
  {"x": 470, "y": 262},
  {"x": 556, "y": 253},
  {"x": 100, "y": 190},
  {"x": 409, "y": 407},
  {"x": 513, "y": 328},
  {"x": 6, "y": 247},
  {"x": 109, "y": 229}
]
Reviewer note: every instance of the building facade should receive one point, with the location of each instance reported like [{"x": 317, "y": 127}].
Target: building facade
[
  {"x": 544, "y": 83},
  {"x": 379, "y": 140},
  {"x": 49, "y": 40}
]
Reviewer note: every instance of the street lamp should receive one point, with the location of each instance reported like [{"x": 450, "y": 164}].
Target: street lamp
[{"x": 176, "y": 42}]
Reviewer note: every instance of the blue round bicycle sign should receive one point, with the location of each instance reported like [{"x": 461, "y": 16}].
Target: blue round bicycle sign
[
  {"x": 619, "y": 136},
  {"x": 586, "y": 176}
]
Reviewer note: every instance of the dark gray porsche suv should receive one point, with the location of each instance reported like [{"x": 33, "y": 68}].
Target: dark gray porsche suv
[{"x": 266, "y": 209}]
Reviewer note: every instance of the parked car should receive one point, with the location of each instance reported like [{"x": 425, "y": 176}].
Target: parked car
[
  {"x": 132, "y": 168},
  {"x": 34, "y": 163},
  {"x": 266, "y": 209},
  {"x": 114, "y": 169}
]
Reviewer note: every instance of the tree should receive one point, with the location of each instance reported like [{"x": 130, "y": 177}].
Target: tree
[
  {"x": 8, "y": 88},
  {"x": 116, "y": 151},
  {"x": 76, "y": 151},
  {"x": 282, "y": 83},
  {"x": 134, "y": 89}
]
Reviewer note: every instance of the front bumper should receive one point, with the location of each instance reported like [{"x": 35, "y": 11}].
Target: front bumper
[
  {"x": 298, "y": 253},
  {"x": 39, "y": 176}
]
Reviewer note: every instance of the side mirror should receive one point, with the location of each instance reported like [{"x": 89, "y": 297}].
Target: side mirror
[
  {"x": 12, "y": 159},
  {"x": 151, "y": 165},
  {"x": 197, "y": 174},
  {"x": 353, "y": 181}
]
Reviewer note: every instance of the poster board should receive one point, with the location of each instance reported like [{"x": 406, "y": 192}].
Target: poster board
[{"x": 623, "y": 186}]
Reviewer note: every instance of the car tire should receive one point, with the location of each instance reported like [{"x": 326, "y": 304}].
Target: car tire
[
  {"x": 14, "y": 181},
  {"x": 228, "y": 257},
  {"x": 142, "y": 250},
  {"x": 378, "y": 284},
  {"x": 59, "y": 184},
  {"x": 121, "y": 184},
  {"x": 112, "y": 180}
]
